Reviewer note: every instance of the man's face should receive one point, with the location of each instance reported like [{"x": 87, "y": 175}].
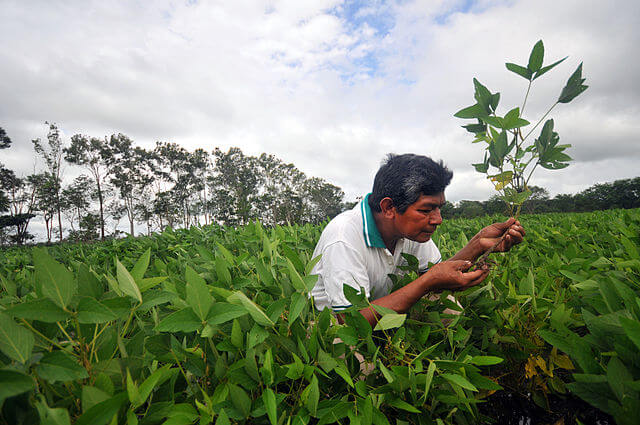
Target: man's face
[{"x": 421, "y": 218}]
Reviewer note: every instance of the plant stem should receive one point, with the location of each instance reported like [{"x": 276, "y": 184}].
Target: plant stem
[
  {"x": 50, "y": 341},
  {"x": 538, "y": 123},
  {"x": 526, "y": 96}
]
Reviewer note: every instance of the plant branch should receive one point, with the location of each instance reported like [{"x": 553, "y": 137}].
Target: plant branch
[
  {"x": 526, "y": 96},
  {"x": 541, "y": 119}
]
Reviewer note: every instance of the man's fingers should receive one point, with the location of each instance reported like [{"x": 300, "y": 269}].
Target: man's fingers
[
  {"x": 471, "y": 276},
  {"x": 479, "y": 279},
  {"x": 461, "y": 265}
]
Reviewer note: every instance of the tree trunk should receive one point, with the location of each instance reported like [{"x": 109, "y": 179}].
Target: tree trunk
[
  {"x": 101, "y": 208},
  {"x": 59, "y": 217}
]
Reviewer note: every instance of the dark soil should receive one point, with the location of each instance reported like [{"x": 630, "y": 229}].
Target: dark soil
[{"x": 513, "y": 409}]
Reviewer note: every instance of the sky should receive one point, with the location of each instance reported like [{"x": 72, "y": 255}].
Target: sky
[{"x": 331, "y": 86}]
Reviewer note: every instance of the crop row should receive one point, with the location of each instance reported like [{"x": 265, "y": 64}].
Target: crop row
[{"x": 214, "y": 325}]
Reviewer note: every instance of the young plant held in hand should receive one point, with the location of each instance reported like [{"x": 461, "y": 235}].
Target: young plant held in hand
[{"x": 511, "y": 156}]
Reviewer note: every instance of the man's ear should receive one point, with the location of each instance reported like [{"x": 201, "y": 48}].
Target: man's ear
[{"x": 388, "y": 210}]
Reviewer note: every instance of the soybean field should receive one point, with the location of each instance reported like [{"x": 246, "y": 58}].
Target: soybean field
[{"x": 215, "y": 325}]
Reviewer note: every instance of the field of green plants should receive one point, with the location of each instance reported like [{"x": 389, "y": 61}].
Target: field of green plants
[{"x": 214, "y": 325}]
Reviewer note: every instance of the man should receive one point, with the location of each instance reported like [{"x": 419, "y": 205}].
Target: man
[{"x": 362, "y": 246}]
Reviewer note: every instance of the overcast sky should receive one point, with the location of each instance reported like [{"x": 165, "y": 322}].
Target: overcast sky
[{"x": 330, "y": 86}]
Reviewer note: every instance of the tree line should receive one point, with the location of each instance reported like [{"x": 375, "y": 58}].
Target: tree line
[
  {"x": 167, "y": 186},
  {"x": 622, "y": 194}
]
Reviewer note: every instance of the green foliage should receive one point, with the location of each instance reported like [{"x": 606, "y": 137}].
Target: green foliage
[
  {"x": 224, "y": 331},
  {"x": 506, "y": 149}
]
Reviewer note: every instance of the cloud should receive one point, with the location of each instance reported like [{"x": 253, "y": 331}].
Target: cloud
[{"x": 331, "y": 86}]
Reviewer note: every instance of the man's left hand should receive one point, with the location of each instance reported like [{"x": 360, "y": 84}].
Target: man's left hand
[{"x": 490, "y": 235}]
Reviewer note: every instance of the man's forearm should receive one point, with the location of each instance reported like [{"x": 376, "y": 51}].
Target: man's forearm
[
  {"x": 401, "y": 300},
  {"x": 470, "y": 252}
]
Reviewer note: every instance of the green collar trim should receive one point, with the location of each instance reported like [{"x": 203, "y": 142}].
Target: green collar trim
[{"x": 372, "y": 236}]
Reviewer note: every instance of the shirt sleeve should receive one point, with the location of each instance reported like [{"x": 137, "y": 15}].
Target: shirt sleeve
[
  {"x": 427, "y": 253},
  {"x": 343, "y": 265}
]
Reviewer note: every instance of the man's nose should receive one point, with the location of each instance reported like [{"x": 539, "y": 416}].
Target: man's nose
[{"x": 436, "y": 217}]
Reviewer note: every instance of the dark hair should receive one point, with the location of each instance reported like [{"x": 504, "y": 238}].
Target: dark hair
[{"x": 403, "y": 178}]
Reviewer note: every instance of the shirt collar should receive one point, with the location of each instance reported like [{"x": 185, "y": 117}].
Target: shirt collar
[{"x": 372, "y": 236}]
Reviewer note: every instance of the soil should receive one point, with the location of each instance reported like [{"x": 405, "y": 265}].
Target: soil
[{"x": 513, "y": 409}]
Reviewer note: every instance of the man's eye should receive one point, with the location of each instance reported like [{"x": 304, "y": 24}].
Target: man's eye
[{"x": 426, "y": 211}]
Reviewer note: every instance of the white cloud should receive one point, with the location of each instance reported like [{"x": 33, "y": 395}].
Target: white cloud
[{"x": 307, "y": 82}]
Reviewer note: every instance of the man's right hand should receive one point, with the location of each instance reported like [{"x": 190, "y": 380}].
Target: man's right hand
[{"x": 452, "y": 275}]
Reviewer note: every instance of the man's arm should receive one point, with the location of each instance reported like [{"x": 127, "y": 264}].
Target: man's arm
[
  {"x": 489, "y": 236},
  {"x": 451, "y": 274},
  {"x": 445, "y": 275}
]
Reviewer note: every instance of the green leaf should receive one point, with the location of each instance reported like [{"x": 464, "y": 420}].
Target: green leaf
[
  {"x": 126, "y": 282},
  {"x": 254, "y": 310},
  {"x": 184, "y": 320},
  {"x": 547, "y": 68},
  {"x": 269, "y": 400},
  {"x": 132, "y": 391},
  {"x": 15, "y": 341},
  {"x": 149, "y": 282},
  {"x": 386, "y": 372},
  {"x": 52, "y": 416},
  {"x": 92, "y": 396},
  {"x": 154, "y": 380},
  {"x": 427, "y": 383},
  {"x": 326, "y": 362},
  {"x": 631, "y": 329},
  {"x": 226, "y": 254},
  {"x": 403, "y": 405},
  {"x": 222, "y": 270},
  {"x": 617, "y": 375},
  {"x": 221, "y": 312},
  {"x": 298, "y": 301},
  {"x": 93, "y": 311},
  {"x": 312, "y": 395},
  {"x": 198, "y": 296},
  {"x": 13, "y": 383},
  {"x": 475, "y": 111},
  {"x": 42, "y": 309},
  {"x": 54, "y": 279},
  {"x": 223, "y": 419},
  {"x": 536, "y": 57},
  {"x": 486, "y": 360},
  {"x": 141, "y": 265},
  {"x": 102, "y": 413},
  {"x": 58, "y": 366},
  {"x": 520, "y": 70},
  {"x": 296, "y": 279},
  {"x": 341, "y": 369},
  {"x": 390, "y": 321},
  {"x": 240, "y": 399},
  {"x": 482, "y": 95},
  {"x": 237, "y": 338},
  {"x": 574, "y": 86},
  {"x": 459, "y": 380}
]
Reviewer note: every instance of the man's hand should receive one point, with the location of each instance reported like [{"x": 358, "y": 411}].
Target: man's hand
[
  {"x": 490, "y": 235},
  {"x": 451, "y": 275}
]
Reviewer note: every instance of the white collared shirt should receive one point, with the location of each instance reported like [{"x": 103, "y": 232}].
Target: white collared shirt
[{"x": 354, "y": 253}]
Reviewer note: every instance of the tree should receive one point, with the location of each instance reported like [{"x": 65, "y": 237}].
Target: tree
[
  {"x": 45, "y": 185},
  {"x": 234, "y": 185},
  {"x": 130, "y": 172},
  {"x": 323, "y": 200},
  {"x": 5, "y": 142},
  {"x": 280, "y": 198},
  {"x": 91, "y": 153},
  {"x": 537, "y": 201},
  {"x": 77, "y": 198},
  {"x": 51, "y": 152},
  {"x": 21, "y": 195}
]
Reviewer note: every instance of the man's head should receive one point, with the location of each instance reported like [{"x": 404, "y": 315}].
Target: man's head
[{"x": 404, "y": 178}]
